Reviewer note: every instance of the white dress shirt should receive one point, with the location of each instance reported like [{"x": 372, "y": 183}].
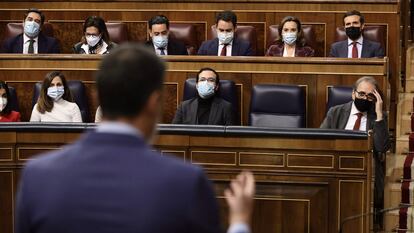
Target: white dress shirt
[
  {"x": 359, "y": 46},
  {"x": 103, "y": 50},
  {"x": 158, "y": 51},
  {"x": 353, "y": 117},
  {"x": 228, "y": 48},
  {"x": 62, "y": 111},
  {"x": 26, "y": 42}
]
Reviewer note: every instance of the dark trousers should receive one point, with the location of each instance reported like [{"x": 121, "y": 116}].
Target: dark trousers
[{"x": 379, "y": 185}]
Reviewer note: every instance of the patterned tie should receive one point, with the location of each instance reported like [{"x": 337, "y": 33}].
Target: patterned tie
[
  {"x": 358, "y": 121},
  {"x": 224, "y": 50},
  {"x": 31, "y": 49},
  {"x": 162, "y": 51},
  {"x": 354, "y": 50}
]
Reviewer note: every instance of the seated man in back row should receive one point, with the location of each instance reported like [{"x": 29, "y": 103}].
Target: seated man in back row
[
  {"x": 32, "y": 41},
  {"x": 356, "y": 46},
  {"x": 226, "y": 43},
  {"x": 161, "y": 41},
  {"x": 206, "y": 108}
]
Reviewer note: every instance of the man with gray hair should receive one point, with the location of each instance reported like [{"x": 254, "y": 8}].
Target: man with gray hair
[{"x": 365, "y": 112}]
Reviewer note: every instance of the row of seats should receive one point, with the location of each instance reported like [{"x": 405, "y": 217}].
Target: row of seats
[
  {"x": 264, "y": 110},
  {"x": 187, "y": 33}
]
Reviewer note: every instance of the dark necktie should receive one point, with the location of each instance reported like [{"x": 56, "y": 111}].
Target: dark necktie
[
  {"x": 31, "y": 49},
  {"x": 224, "y": 50},
  {"x": 354, "y": 50},
  {"x": 162, "y": 51},
  {"x": 358, "y": 121}
]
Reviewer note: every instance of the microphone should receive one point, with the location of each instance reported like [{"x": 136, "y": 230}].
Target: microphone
[{"x": 347, "y": 219}]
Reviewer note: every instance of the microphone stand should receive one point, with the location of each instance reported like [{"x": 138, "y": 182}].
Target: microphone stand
[{"x": 347, "y": 219}]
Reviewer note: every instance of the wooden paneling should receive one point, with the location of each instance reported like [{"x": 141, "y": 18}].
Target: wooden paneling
[
  {"x": 303, "y": 183},
  {"x": 313, "y": 74}
]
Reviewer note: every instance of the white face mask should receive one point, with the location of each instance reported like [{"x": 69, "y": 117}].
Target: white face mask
[
  {"x": 205, "y": 89},
  {"x": 31, "y": 29},
  {"x": 160, "y": 41},
  {"x": 92, "y": 40},
  {"x": 3, "y": 103},
  {"x": 289, "y": 37},
  {"x": 225, "y": 37},
  {"x": 55, "y": 92}
]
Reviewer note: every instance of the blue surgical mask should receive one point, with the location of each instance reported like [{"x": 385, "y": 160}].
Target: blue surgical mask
[
  {"x": 31, "y": 29},
  {"x": 55, "y": 92},
  {"x": 289, "y": 37},
  {"x": 225, "y": 37},
  {"x": 205, "y": 89},
  {"x": 160, "y": 41}
]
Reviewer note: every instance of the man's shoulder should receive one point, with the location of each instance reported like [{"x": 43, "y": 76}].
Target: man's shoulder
[
  {"x": 340, "y": 43},
  {"x": 209, "y": 42},
  {"x": 13, "y": 40},
  {"x": 371, "y": 43},
  {"x": 340, "y": 108}
]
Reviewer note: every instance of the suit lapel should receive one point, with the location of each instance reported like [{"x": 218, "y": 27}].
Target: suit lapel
[
  {"x": 214, "y": 47},
  {"x": 235, "y": 47},
  {"x": 343, "y": 118},
  {"x": 19, "y": 44},
  {"x": 344, "y": 49},
  {"x": 41, "y": 44},
  {"x": 371, "y": 117},
  {"x": 365, "y": 48},
  {"x": 193, "y": 111}
]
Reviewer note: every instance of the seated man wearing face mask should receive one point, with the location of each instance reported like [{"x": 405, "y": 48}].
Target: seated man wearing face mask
[
  {"x": 356, "y": 46},
  {"x": 365, "y": 113},
  {"x": 206, "y": 108},
  {"x": 226, "y": 44},
  {"x": 32, "y": 41},
  {"x": 161, "y": 42}
]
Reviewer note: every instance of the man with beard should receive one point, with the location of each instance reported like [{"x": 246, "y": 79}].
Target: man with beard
[{"x": 356, "y": 46}]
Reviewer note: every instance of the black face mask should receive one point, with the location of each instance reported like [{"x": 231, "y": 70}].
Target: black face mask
[
  {"x": 353, "y": 32},
  {"x": 362, "y": 105}
]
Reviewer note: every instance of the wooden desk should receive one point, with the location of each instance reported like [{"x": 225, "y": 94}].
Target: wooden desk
[
  {"x": 313, "y": 74},
  {"x": 308, "y": 180}
]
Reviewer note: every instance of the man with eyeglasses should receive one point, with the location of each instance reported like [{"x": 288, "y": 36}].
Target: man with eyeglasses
[
  {"x": 32, "y": 40},
  {"x": 206, "y": 108},
  {"x": 365, "y": 113}
]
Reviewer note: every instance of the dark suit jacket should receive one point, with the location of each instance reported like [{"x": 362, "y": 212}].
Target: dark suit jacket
[
  {"x": 174, "y": 47},
  {"x": 240, "y": 47},
  {"x": 369, "y": 49},
  {"x": 108, "y": 182},
  {"x": 77, "y": 48},
  {"x": 300, "y": 51},
  {"x": 337, "y": 117},
  {"x": 220, "y": 113},
  {"x": 45, "y": 45}
]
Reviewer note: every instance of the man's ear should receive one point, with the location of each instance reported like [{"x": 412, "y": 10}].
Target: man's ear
[
  {"x": 362, "y": 26},
  {"x": 353, "y": 95},
  {"x": 217, "y": 87},
  {"x": 150, "y": 32}
]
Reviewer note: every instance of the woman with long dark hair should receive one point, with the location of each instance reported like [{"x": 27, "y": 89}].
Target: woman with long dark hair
[{"x": 55, "y": 101}]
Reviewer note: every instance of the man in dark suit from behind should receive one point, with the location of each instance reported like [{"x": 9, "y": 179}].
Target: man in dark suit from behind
[
  {"x": 206, "y": 108},
  {"x": 226, "y": 43},
  {"x": 356, "y": 46},
  {"x": 161, "y": 40},
  {"x": 32, "y": 40},
  {"x": 111, "y": 180},
  {"x": 365, "y": 113}
]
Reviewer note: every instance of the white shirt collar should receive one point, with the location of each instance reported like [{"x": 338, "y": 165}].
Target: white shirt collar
[
  {"x": 359, "y": 41},
  {"x": 26, "y": 38},
  {"x": 229, "y": 44},
  {"x": 117, "y": 128}
]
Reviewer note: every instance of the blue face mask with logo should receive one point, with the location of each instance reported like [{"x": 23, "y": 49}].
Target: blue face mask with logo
[
  {"x": 31, "y": 29},
  {"x": 160, "y": 41},
  {"x": 205, "y": 89},
  {"x": 55, "y": 92}
]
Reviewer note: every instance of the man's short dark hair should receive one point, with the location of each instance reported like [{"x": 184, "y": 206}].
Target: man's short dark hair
[
  {"x": 354, "y": 12},
  {"x": 126, "y": 78},
  {"x": 158, "y": 19},
  {"x": 227, "y": 16},
  {"x": 35, "y": 10},
  {"x": 208, "y": 69}
]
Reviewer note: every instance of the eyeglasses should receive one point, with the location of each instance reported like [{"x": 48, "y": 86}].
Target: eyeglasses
[
  {"x": 369, "y": 96},
  {"x": 210, "y": 80}
]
